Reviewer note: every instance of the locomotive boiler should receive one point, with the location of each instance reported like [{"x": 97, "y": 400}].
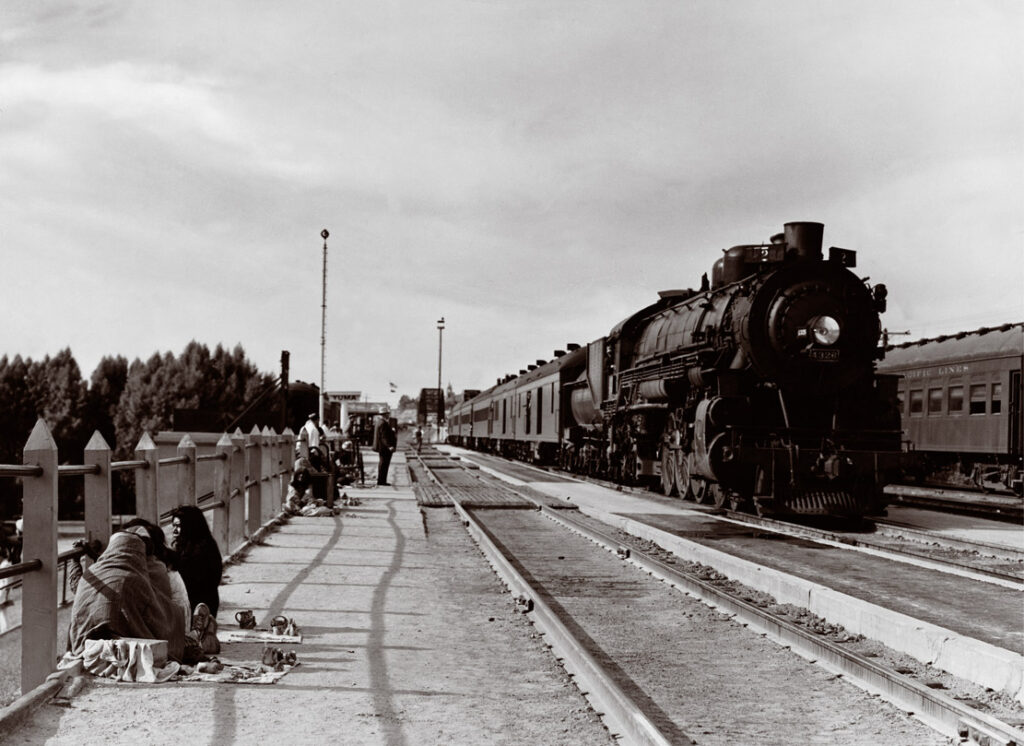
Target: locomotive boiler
[{"x": 758, "y": 390}]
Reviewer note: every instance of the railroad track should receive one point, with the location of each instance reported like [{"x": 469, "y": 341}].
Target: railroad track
[
  {"x": 996, "y": 507},
  {"x": 968, "y": 560},
  {"x": 626, "y": 711},
  {"x": 985, "y": 562}
]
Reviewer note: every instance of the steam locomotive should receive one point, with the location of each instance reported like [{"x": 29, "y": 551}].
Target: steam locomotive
[{"x": 757, "y": 391}]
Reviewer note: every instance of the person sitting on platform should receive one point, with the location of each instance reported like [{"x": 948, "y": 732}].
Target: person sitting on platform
[
  {"x": 166, "y": 559},
  {"x": 298, "y": 487},
  {"x": 117, "y": 598},
  {"x": 199, "y": 559}
]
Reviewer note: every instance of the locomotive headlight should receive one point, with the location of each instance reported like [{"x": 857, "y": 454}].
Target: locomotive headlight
[{"x": 825, "y": 330}]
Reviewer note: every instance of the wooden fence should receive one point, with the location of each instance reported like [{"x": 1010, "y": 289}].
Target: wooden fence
[{"x": 250, "y": 478}]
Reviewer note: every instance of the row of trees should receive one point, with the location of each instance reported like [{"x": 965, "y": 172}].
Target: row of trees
[{"x": 120, "y": 400}]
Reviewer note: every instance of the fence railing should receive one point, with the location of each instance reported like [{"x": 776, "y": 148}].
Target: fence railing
[{"x": 248, "y": 483}]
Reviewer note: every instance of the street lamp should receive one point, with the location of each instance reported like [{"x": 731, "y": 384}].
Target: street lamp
[
  {"x": 323, "y": 326},
  {"x": 440, "y": 392}
]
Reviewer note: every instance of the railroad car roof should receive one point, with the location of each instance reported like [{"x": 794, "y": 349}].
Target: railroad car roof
[
  {"x": 572, "y": 358},
  {"x": 986, "y": 343}
]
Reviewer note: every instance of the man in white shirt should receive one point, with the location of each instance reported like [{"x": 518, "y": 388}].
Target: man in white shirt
[{"x": 312, "y": 430}]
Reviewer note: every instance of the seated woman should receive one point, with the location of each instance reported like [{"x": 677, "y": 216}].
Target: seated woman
[
  {"x": 163, "y": 561},
  {"x": 117, "y": 598},
  {"x": 199, "y": 560}
]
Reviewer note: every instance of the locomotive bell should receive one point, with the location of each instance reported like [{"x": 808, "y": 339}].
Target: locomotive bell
[{"x": 803, "y": 240}]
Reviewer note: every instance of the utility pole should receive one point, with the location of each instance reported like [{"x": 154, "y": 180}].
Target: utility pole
[
  {"x": 323, "y": 328},
  {"x": 440, "y": 391},
  {"x": 284, "y": 389}
]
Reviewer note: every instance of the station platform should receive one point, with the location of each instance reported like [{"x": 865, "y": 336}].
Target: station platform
[{"x": 408, "y": 637}]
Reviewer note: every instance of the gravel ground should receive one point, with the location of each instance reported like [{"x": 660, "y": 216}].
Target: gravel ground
[
  {"x": 691, "y": 668},
  {"x": 995, "y": 703}
]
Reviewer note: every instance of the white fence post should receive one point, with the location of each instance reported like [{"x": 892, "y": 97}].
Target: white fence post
[
  {"x": 98, "y": 491},
  {"x": 39, "y": 589},
  {"x": 222, "y": 492},
  {"x": 254, "y": 496},
  {"x": 288, "y": 461},
  {"x": 147, "y": 481},
  {"x": 269, "y": 475},
  {"x": 187, "y": 471},
  {"x": 236, "y": 513}
]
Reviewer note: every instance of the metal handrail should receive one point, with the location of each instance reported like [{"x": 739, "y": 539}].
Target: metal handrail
[
  {"x": 22, "y": 568},
  {"x": 171, "y": 460},
  {"x": 212, "y": 457},
  {"x": 71, "y": 470},
  {"x": 122, "y": 465},
  {"x": 20, "y": 470}
]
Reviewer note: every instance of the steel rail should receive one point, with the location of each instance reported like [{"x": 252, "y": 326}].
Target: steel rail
[
  {"x": 1013, "y": 582},
  {"x": 622, "y": 716},
  {"x": 906, "y": 555},
  {"x": 940, "y": 712},
  {"x": 995, "y": 550},
  {"x": 1001, "y": 509}
]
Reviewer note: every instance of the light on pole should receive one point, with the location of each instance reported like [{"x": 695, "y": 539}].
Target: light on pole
[
  {"x": 323, "y": 327},
  {"x": 440, "y": 392}
]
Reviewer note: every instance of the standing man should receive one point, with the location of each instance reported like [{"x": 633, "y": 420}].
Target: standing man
[
  {"x": 312, "y": 430},
  {"x": 384, "y": 442}
]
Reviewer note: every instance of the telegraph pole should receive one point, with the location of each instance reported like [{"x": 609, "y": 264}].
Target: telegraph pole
[{"x": 323, "y": 327}]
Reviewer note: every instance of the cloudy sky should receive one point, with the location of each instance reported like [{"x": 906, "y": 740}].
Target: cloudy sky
[{"x": 532, "y": 171}]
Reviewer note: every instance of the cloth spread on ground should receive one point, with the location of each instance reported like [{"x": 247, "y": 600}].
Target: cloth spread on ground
[
  {"x": 124, "y": 660},
  {"x": 116, "y": 598},
  {"x": 235, "y": 672},
  {"x": 256, "y": 635}
]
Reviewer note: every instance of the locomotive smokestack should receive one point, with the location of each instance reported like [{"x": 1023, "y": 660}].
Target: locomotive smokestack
[{"x": 804, "y": 239}]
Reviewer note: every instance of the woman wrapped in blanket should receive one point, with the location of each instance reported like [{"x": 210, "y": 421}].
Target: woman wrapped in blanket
[
  {"x": 122, "y": 594},
  {"x": 162, "y": 560}
]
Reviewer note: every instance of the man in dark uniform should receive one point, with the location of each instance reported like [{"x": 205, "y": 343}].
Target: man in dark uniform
[{"x": 384, "y": 442}]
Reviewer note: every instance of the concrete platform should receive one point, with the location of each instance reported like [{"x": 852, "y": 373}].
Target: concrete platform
[{"x": 408, "y": 638}]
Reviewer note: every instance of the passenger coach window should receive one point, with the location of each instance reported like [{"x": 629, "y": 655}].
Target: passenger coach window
[
  {"x": 955, "y": 401},
  {"x": 916, "y": 402},
  {"x": 997, "y": 398},
  {"x": 978, "y": 398},
  {"x": 934, "y": 401}
]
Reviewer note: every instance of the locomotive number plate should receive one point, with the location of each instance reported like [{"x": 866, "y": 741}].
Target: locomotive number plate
[{"x": 827, "y": 355}]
